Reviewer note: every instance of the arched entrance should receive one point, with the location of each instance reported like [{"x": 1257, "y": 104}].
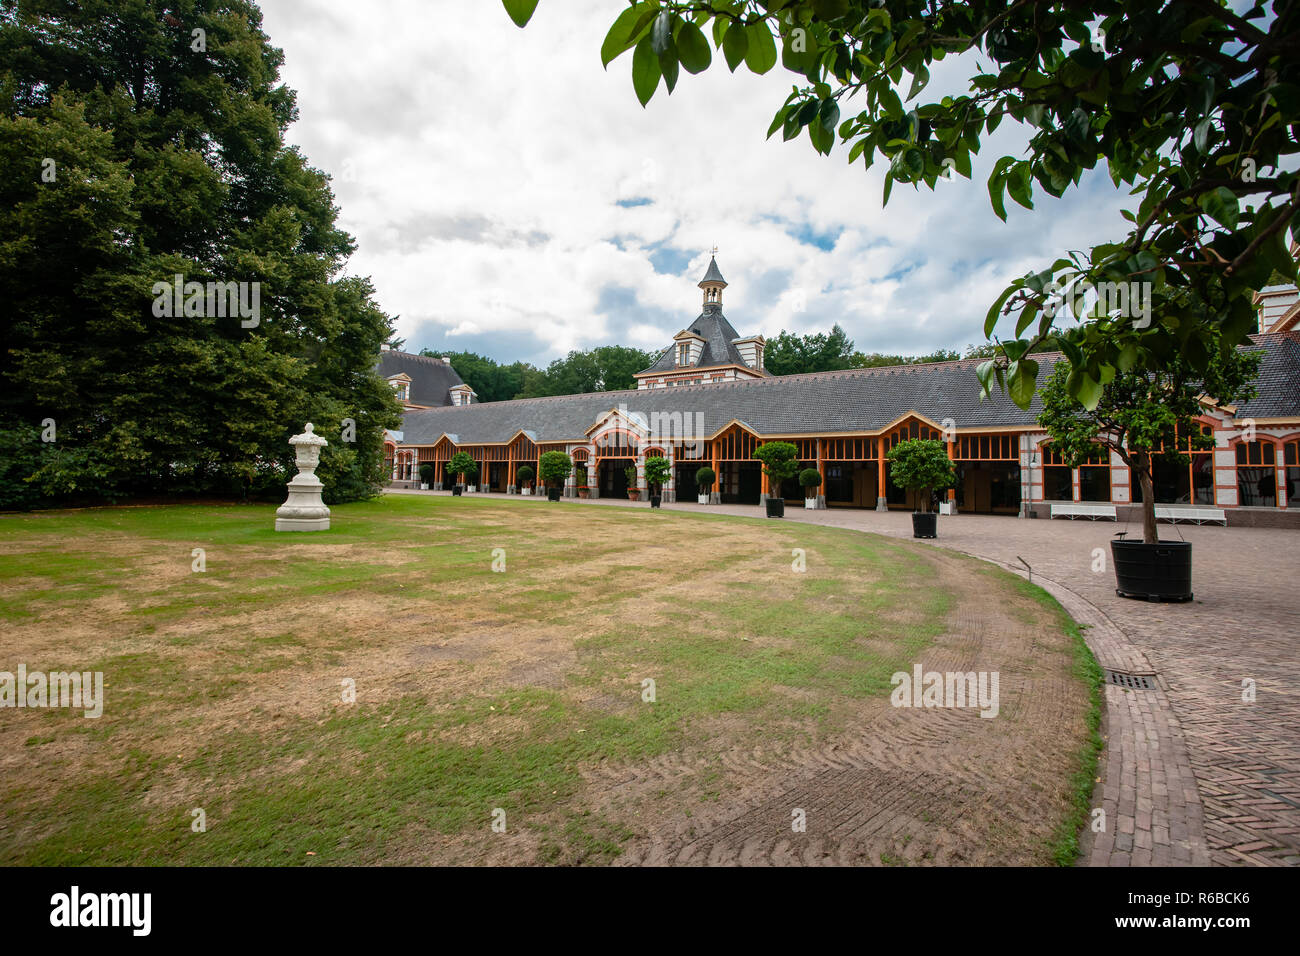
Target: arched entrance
[{"x": 612, "y": 480}]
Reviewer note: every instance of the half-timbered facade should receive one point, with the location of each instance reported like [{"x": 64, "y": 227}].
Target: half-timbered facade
[{"x": 845, "y": 422}]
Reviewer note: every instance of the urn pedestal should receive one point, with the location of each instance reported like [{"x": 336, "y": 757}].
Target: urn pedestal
[{"x": 304, "y": 510}]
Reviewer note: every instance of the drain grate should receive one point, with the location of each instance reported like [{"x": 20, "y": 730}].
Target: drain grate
[{"x": 1131, "y": 681}]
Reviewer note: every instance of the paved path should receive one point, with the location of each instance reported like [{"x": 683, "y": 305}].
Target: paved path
[{"x": 1193, "y": 773}]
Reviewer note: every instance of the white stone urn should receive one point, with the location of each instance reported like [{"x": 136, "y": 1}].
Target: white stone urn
[{"x": 304, "y": 510}]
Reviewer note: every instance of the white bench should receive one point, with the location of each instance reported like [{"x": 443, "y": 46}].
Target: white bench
[
  {"x": 1176, "y": 513},
  {"x": 1077, "y": 510}
]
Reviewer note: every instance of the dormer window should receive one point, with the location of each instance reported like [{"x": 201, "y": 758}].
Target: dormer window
[
  {"x": 683, "y": 354},
  {"x": 403, "y": 391}
]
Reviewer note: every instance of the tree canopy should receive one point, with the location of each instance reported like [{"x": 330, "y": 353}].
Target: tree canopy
[
  {"x": 921, "y": 465},
  {"x": 1191, "y": 104},
  {"x": 1144, "y": 412},
  {"x": 138, "y": 146}
]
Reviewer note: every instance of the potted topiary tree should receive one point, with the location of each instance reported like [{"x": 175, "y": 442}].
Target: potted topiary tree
[
  {"x": 554, "y": 468},
  {"x": 922, "y": 465},
  {"x": 580, "y": 476},
  {"x": 524, "y": 477},
  {"x": 658, "y": 472},
  {"x": 633, "y": 492},
  {"x": 704, "y": 479},
  {"x": 1137, "y": 414},
  {"x": 811, "y": 480},
  {"x": 461, "y": 464},
  {"x": 427, "y": 472},
  {"x": 780, "y": 463}
]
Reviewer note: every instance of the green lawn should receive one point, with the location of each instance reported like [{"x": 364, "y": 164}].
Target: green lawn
[{"x": 475, "y": 689}]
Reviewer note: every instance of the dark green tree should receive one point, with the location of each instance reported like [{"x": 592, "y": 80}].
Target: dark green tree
[
  {"x": 1142, "y": 411},
  {"x": 554, "y": 467},
  {"x": 606, "y": 368},
  {"x": 780, "y": 462},
  {"x": 462, "y": 466},
  {"x": 134, "y": 149},
  {"x": 791, "y": 354},
  {"x": 921, "y": 465}
]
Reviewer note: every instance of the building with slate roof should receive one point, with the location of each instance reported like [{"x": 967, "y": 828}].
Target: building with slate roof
[
  {"x": 708, "y": 401},
  {"x": 422, "y": 381},
  {"x": 710, "y": 351}
]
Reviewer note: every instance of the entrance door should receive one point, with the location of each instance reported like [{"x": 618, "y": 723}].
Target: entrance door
[
  {"x": 684, "y": 478},
  {"x": 613, "y": 477}
]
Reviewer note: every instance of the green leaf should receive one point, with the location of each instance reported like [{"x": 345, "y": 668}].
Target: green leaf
[
  {"x": 619, "y": 38},
  {"x": 1221, "y": 206},
  {"x": 779, "y": 120},
  {"x": 830, "y": 9},
  {"x": 919, "y": 80},
  {"x": 1201, "y": 135},
  {"x": 661, "y": 33},
  {"x": 734, "y": 44},
  {"x": 1077, "y": 125},
  {"x": 1018, "y": 184},
  {"x": 1084, "y": 388},
  {"x": 668, "y": 66},
  {"x": 1022, "y": 379},
  {"x": 760, "y": 55},
  {"x": 828, "y": 114},
  {"x": 645, "y": 71},
  {"x": 997, "y": 183},
  {"x": 995, "y": 310},
  {"x": 693, "y": 50},
  {"x": 521, "y": 11}
]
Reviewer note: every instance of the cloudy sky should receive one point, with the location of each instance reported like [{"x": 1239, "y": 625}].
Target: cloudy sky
[{"x": 511, "y": 197}]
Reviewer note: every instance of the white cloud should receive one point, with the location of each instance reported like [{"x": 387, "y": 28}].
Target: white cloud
[{"x": 479, "y": 167}]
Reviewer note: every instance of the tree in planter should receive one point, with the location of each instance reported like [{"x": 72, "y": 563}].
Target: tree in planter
[
  {"x": 704, "y": 479},
  {"x": 921, "y": 465},
  {"x": 780, "y": 462},
  {"x": 427, "y": 472},
  {"x": 554, "y": 468},
  {"x": 633, "y": 490},
  {"x": 1142, "y": 410},
  {"x": 523, "y": 475},
  {"x": 658, "y": 472},
  {"x": 462, "y": 464},
  {"x": 811, "y": 480}
]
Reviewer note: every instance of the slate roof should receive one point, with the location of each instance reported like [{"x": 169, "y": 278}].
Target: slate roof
[
  {"x": 1278, "y": 386},
  {"x": 851, "y": 401},
  {"x": 430, "y": 377},
  {"x": 856, "y": 400},
  {"x": 717, "y": 332},
  {"x": 714, "y": 274}
]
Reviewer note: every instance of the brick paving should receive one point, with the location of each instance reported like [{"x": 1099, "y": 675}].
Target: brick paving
[{"x": 1193, "y": 774}]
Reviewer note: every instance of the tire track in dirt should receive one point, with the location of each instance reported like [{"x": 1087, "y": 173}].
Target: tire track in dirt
[{"x": 906, "y": 785}]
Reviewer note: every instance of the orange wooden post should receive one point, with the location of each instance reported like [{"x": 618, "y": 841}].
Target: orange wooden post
[
  {"x": 717, "y": 475},
  {"x": 821, "y": 468},
  {"x": 952, "y": 492},
  {"x": 880, "y": 468}
]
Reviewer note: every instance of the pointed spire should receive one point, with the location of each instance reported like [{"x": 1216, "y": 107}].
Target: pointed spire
[
  {"x": 713, "y": 284},
  {"x": 714, "y": 275}
]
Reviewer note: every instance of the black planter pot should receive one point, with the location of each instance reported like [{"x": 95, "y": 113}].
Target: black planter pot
[
  {"x": 458, "y": 490},
  {"x": 553, "y": 494},
  {"x": 1154, "y": 572},
  {"x": 925, "y": 524},
  {"x": 775, "y": 507},
  {"x": 655, "y": 501}
]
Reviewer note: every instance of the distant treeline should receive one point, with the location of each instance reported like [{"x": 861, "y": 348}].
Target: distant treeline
[{"x": 611, "y": 367}]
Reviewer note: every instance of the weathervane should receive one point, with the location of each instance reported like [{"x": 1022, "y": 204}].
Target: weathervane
[{"x": 715, "y": 249}]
